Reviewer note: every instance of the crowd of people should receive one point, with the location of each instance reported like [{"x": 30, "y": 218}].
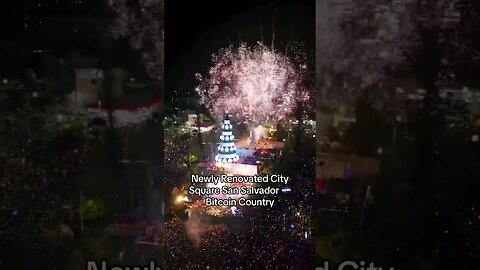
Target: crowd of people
[
  {"x": 264, "y": 238},
  {"x": 263, "y": 245},
  {"x": 42, "y": 161},
  {"x": 37, "y": 184}
]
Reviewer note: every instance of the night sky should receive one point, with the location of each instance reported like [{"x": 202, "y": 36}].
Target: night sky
[
  {"x": 59, "y": 27},
  {"x": 197, "y": 29}
]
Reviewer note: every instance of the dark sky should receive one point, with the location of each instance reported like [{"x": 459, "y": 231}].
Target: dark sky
[
  {"x": 59, "y": 27},
  {"x": 197, "y": 29}
]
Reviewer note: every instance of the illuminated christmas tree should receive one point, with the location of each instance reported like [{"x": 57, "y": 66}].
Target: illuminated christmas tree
[{"x": 227, "y": 152}]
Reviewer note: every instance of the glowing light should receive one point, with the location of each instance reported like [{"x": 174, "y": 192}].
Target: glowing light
[
  {"x": 181, "y": 199},
  {"x": 243, "y": 169}
]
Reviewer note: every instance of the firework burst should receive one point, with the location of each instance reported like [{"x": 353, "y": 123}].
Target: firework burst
[
  {"x": 358, "y": 47},
  {"x": 141, "y": 22},
  {"x": 256, "y": 83}
]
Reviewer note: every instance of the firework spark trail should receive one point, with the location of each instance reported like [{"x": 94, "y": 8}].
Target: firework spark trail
[
  {"x": 141, "y": 21},
  {"x": 273, "y": 29},
  {"x": 385, "y": 36},
  {"x": 380, "y": 41},
  {"x": 266, "y": 82}
]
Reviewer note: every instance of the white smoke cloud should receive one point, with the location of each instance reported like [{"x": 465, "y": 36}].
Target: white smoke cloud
[{"x": 196, "y": 225}]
